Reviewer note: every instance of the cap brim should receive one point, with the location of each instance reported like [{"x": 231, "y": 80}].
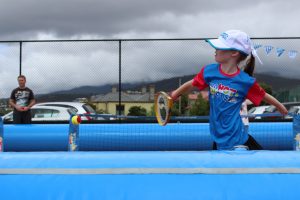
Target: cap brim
[{"x": 218, "y": 44}]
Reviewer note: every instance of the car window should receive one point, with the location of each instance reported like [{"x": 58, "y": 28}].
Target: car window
[
  {"x": 44, "y": 113},
  {"x": 291, "y": 105},
  {"x": 288, "y": 106},
  {"x": 294, "y": 110},
  {"x": 270, "y": 109},
  {"x": 60, "y": 105},
  {"x": 252, "y": 110},
  {"x": 72, "y": 111},
  {"x": 88, "y": 109}
]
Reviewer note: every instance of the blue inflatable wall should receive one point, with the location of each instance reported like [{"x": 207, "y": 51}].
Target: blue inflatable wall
[
  {"x": 136, "y": 137},
  {"x": 155, "y": 163},
  {"x": 188, "y": 175}
]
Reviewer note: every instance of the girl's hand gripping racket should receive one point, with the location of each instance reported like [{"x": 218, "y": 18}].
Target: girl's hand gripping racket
[{"x": 163, "y": 104}]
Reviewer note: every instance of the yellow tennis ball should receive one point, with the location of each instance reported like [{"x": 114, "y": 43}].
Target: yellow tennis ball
[{"x": 76, "y": 120}]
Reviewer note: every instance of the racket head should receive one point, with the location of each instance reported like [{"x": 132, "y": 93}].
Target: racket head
[{"x": 163, "y": 104}]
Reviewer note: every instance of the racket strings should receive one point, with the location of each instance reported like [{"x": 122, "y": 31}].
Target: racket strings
[{"x": 163, "y": 108}]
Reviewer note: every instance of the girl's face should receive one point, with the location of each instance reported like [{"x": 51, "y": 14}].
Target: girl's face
[{"x": 224, "y": 56}]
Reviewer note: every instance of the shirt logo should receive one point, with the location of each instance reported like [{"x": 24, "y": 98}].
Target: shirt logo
[
  {"x": 22, "y": 98},
  {"x": 225, "y": 92}
]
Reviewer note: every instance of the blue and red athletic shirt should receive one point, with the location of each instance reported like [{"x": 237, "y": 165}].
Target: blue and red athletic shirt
[{"x": 226, "y": 95}]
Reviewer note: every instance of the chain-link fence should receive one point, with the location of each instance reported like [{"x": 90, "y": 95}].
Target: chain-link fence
[{"x": 122, "y": 71}]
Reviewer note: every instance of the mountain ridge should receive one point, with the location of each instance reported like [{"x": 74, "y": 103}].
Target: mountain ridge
[{"x": 276, "y": 82}]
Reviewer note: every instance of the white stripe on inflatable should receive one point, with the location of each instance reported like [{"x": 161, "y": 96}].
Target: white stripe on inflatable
[{"x": 93, "y": 171}]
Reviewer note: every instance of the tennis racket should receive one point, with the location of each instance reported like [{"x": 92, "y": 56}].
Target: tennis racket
[{"x": 163, "y": 104}]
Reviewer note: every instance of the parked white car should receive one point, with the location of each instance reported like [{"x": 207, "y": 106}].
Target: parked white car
[
  {"x": 81, "y": 108},
  {"x": 257, "y": 111},
  {"x": 273, "y": 110},
  {"x": 45, "y": 113},
  {"x": 293, "y": 110}
]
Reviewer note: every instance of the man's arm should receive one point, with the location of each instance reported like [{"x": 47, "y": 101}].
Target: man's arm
[
  {"x": 31, "y": 103},
  {"x": 13, "y": 104}
]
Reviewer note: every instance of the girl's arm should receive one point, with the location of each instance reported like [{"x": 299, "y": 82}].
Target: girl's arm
[
  {"x": 271, "y": 100},
  {"x": 183, "y": 89}
]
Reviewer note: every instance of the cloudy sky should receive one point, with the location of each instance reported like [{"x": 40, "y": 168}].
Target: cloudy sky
[
  {"x": 133, "y": 19},
  {"x": 46, "y": 19}
]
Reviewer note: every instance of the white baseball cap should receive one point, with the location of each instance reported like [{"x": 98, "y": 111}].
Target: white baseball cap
[{"x": 234, "y": 40}]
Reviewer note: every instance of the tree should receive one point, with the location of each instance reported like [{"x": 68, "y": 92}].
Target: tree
[
  {"x": 200, "y": 107},
  {"x": 266, "y": 87},
  {"x": 137, "y": 111},
  {"x": 152, "y": 111},
  {"x": 182, "y": 103}
]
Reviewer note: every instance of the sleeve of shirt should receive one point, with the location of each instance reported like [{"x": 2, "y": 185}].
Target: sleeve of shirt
[
  {"x": 12, "y": 95},
  {"x": 31, "y": 95},
  {"x": 199, "y": 80},
  {"x": 256, "y": 94}
]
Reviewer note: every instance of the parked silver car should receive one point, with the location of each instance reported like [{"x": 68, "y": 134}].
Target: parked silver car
[
  {"x": 294, "y": 110},
  {"x": 273, "y": 110},
  {"x": 46, "y": 113},
  {"x": 258, "y": 110},
  {"x": 81, "y": 108}
]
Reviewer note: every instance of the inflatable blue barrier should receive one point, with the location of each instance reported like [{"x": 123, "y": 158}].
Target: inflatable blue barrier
[
  {"x": 119, "y": 175},
  {"x": 146, "y": 161},
  {"x": 1, "y": 134},
  {"x": 137, "y": 137}
]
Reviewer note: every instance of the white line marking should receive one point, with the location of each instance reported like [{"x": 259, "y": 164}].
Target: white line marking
[{"x": 92, "y": 171}]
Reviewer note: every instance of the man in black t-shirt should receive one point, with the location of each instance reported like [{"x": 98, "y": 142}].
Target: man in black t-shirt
[{"x": 22, "y": 99}]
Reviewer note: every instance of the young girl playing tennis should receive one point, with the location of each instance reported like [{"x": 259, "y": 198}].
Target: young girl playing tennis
[{"x": 228, "y": 88}]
